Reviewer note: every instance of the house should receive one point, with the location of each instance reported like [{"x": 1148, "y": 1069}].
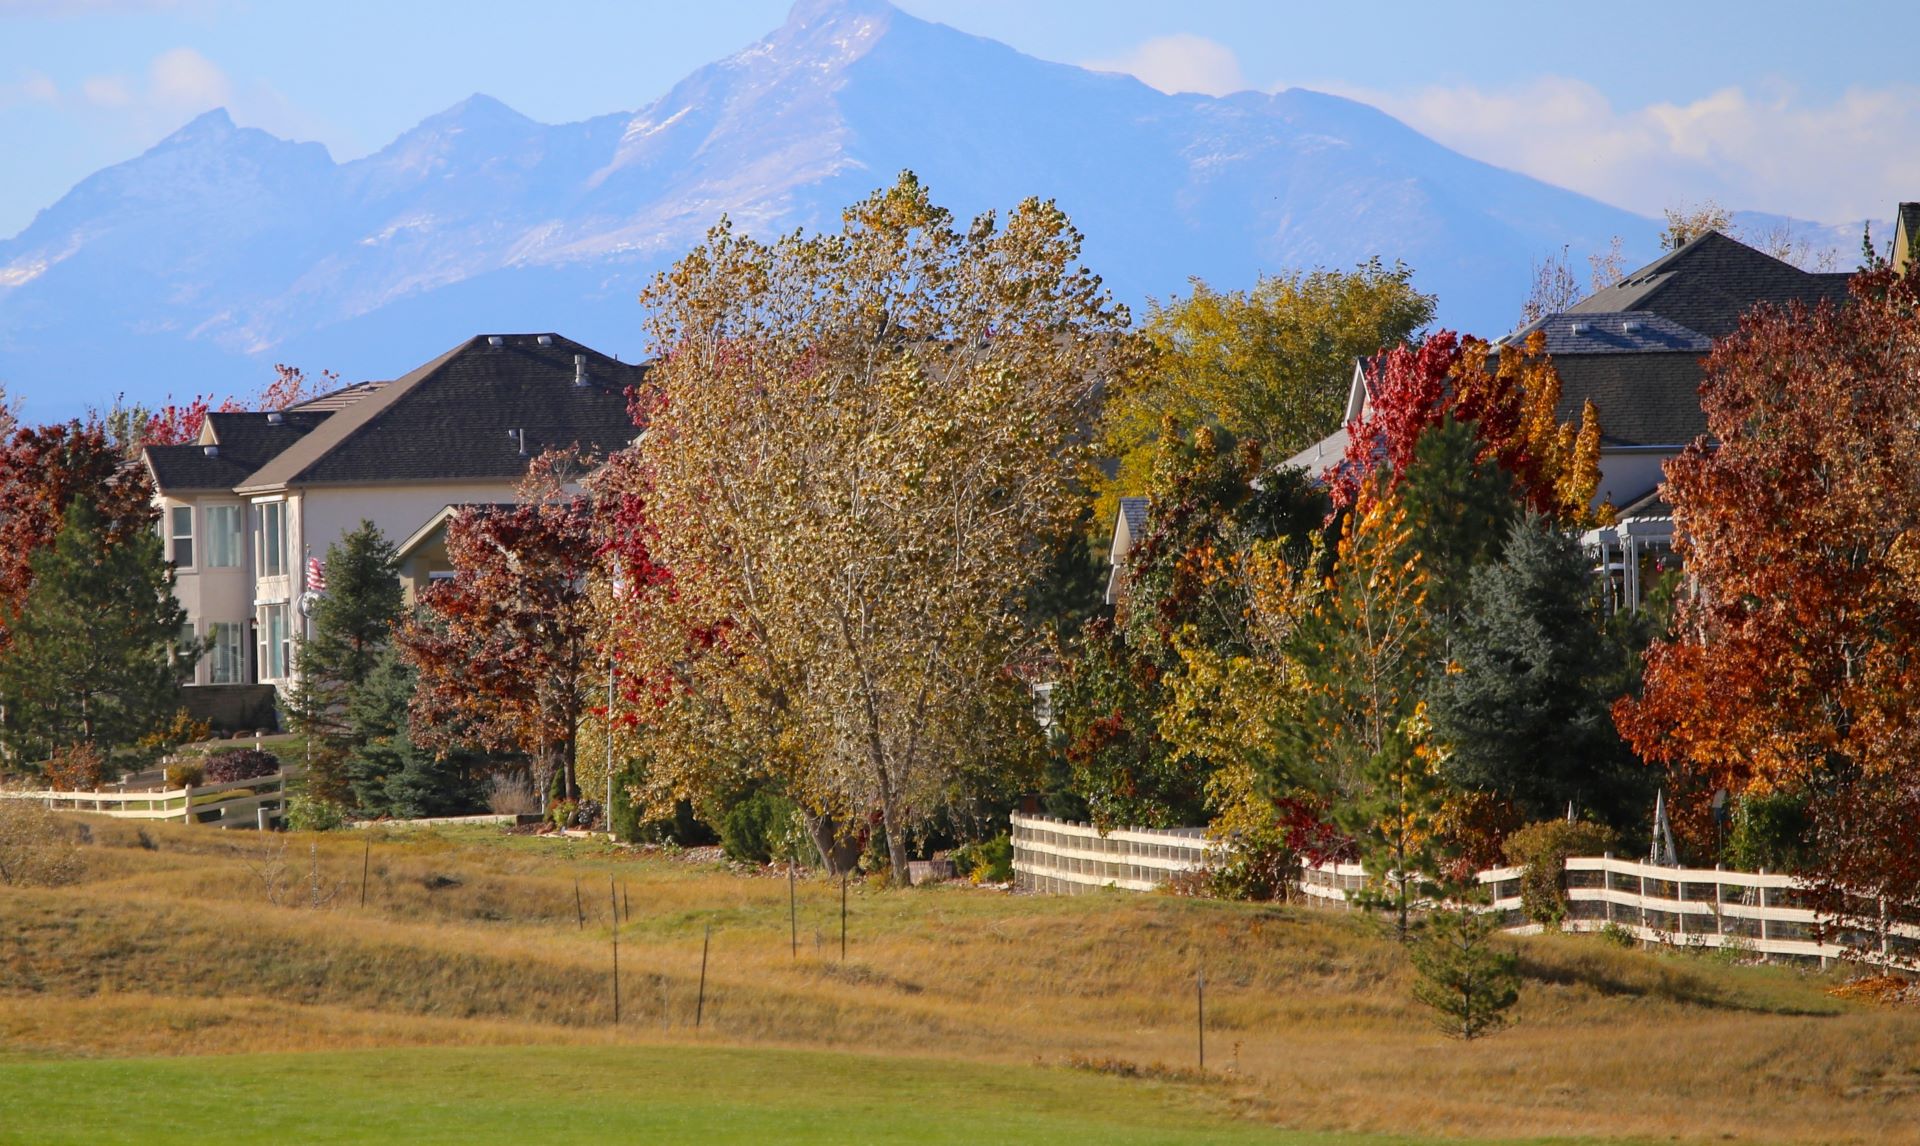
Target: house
[
  {"x": 1634, "y": 349},
  {"x": 245, "y": 505}
]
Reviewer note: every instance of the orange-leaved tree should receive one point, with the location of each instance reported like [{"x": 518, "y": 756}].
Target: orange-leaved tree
[{"x": 1795, "y": 662}]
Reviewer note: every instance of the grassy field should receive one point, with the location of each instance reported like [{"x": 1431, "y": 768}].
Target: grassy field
[{"x": 169, "y": 981}]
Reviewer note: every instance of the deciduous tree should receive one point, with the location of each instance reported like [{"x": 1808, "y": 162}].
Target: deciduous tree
[
  {"x": 1271, "y": 365},
  {"x": 864, "y": 447},
  {"x": 503, "y": 649},
  {"x": 43, "y": 470},
  {"x": 1795, "y": 662}
]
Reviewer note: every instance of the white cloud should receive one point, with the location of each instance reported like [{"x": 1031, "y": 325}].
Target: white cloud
[
  {"x": 186, "y": 79},
  {"x": 1181, "y": 63},
  {"x": 1768, "y": 149}
]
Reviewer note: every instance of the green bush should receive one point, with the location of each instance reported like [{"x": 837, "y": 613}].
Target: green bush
[
  {"x": 1770, "y": 831},
  {"x": 306, "y": 814},
  {"x": 762, "y": 828},
  {"x": 986, "y": 861},
  {"x": 1544, "y": 847}
]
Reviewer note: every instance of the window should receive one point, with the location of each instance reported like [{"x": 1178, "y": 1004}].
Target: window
[
  {"x": 223, "y": 536},
  {"x": 228, "y": 653},
  {"x": 276, "y": 643},
  {"x": 186, "y": 652},
  {"x": 273, "y": 538},
  {"x": 182, "y": 518}
]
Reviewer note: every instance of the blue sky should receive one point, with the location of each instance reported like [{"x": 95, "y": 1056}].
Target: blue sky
[{"x": 1810, "y": 110}]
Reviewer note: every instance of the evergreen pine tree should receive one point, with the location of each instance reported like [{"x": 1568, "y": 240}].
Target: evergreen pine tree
[
  {"x": 1460, "y": 508},
  {"x": 1527, "y": 711},
  {"x": 352, "y": 627},
  {"x": 96, "y": 654},
  {"x": 1463, "y": 976},
  {"x": 387, "y": 773}
]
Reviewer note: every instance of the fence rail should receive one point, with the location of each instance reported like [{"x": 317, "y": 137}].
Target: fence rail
[
  {"x": 233, "y": 803},
  {"x": 1705, "y": 907}
]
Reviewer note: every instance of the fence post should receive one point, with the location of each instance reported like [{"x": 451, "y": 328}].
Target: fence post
[{"x": 186, "y": 804}]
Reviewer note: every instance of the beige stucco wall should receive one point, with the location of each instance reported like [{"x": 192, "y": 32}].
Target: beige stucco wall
[{"x": 206, "y": 593}]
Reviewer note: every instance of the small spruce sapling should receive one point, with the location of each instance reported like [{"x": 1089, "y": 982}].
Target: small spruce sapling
[{"x": 1467, "y": 980}]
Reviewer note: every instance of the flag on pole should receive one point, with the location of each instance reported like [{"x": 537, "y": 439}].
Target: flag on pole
[{"x": 316, "y": 576}]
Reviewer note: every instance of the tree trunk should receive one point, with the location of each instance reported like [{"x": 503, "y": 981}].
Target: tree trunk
[
  {"x": 896, "y": 839},
  {"x": 838, "y": 854}
]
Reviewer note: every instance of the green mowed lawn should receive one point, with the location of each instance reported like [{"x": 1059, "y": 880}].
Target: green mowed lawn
[{"x": 606, "y": 1094}]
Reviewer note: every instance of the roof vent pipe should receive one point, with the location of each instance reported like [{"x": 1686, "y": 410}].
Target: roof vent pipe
[
  {"x": 1578, "y": 329},
  {"x": 579, "y": 370},
  {"x": 495, "y": 340},
  {"x": 545, "y": 340},
  {"x": 275, "y": 417},
  {"x": 211, "y": 450}
]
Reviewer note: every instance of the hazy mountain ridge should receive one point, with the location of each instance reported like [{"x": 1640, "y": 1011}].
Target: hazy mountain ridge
[{"x": 194, "y": 266}]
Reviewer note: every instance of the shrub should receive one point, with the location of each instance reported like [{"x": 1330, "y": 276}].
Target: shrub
[
  {"x": 36, "y": 848},
  {"x": 182, "y": 729},
  {"x": 232, "y": 764},
  {"x": 1770, "y": 831},
  {"x": 987, "y": 861},
  {"x": 76, "y": 768},
  {"x": 184, "y": 775},
  {"x": 762, "y": 828},
  {"x": 306, "y": 814},
  {"x": 1617, "y": 935},
  {"x": 1544, "y": 847}
]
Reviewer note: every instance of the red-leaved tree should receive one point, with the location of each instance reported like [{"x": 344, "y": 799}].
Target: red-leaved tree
[
  {"x": 1511, "y": 407},
  {"x": 504, "y": 648},
  {"x": 42, "y": 469}
]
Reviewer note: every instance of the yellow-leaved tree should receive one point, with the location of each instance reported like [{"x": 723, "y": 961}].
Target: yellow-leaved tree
[{"x": 861, "y": 450}]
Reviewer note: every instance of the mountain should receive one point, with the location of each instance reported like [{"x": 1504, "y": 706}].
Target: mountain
[{"x": 195, "y": 266}]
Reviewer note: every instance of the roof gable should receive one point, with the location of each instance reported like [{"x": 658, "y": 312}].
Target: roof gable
[
  {"x": 1708, "y": 284},
  {"x": 461, "y": 417}
]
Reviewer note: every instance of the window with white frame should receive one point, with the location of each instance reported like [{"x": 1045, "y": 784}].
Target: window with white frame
[
  {"x": 273, "y": 539},
  {"x": 223, "y": 536},
  {"x": 181, "y": 519},
  {"x": 228, "y": 652},
  {"x": 276, "y": 642}
]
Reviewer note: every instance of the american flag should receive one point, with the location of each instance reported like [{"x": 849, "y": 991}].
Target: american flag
[{"x": 316, "y": 576}]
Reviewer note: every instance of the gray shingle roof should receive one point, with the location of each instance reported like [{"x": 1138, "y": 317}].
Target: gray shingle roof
[
  {"x": 188, "y": 469},
  {"x": 1593, "y": 332},
  {"x": 1643, "y": 399},
  {"x": 1134, "y": 509},
  {"x": 244, "y": 441},
  {"x": 1708, "y": 284},
  {"x": 456, "y": 418}
]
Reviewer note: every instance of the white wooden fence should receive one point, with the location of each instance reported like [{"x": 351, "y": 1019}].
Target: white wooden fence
[
  {"x": 1765, "y": 914},
  {"x": 236, "y": 803}
]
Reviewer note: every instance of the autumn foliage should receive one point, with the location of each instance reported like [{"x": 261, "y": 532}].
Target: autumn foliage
[
  {"x": 1508, "y": 394},
  {"x": 503, "y": 648},
  {"x": 42, "y": 470},
  {"x": 1796, "y": 663}
]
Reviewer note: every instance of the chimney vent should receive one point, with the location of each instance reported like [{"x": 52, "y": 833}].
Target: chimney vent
[
  {"x": 579, "y": 370},
  {"x": 545, "y": 340},
  {"x": 495, "y": 340}
]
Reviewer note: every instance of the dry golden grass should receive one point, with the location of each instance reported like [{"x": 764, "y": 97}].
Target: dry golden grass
[{"x": 472, "y": 939}]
